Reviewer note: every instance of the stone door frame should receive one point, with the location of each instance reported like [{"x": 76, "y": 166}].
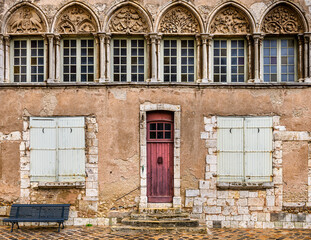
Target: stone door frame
[{"x": 144, "y": 108}]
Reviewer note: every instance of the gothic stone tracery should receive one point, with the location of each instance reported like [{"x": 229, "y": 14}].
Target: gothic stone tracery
[
  {"x": 230, "y": 21},
  {"x": 282, "y": 20},
  {"x": 179, "y": 20},
  {"x": 128, "y": 20},
  {"x": 75, "y": 19},
  {"x": 26, "y": 20}
]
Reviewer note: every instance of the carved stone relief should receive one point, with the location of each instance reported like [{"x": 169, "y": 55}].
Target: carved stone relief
[
  {"x": 26, "y": 20},
  {"x": 128, "y": 20},
  {"x": 75, "y": 19},
  {"x": 282, "y": 20},
  {"x": 230, "y": 21},
  {"x": 179, "y": 20}
]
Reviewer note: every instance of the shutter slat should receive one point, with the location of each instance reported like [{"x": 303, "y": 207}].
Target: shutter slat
[
  {"x": 71, "y": 140},
  {"x": 230, "y": 149},
  {"x": 258, "y": 149},
  {"x": 42, "y": 149}
]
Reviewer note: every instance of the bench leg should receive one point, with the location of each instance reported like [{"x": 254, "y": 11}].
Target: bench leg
[
  {"x": 17, "y": 225},
  {"x": 63, "y": 225},
  {"x": 59, "y": 226},
  {"x": 12, "y": 226}
]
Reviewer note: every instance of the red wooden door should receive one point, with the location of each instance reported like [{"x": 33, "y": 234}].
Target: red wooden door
[{"x": 160, "y": 157}]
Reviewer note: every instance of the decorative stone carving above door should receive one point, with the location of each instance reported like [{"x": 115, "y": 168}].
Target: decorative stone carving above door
[
  {"x": 128, "y": 20},
  {"x": 75, "y": 19},
  {"x": 26, "y": 20},
  {"x": 179, "y": 20},
  {"x": 230, "y": 20},
  {"x": 282, "y": 20}
]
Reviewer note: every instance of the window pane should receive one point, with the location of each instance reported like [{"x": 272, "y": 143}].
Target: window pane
[
  {"x": 287, "y": 60},
  {"x": 69, "y": 60},
  {"x": 137, "y": 53},
  {"x": 169, "y": 62},
  {"x": 87, "y": 60},
  {"x": 20, "y": 63},
  {"x": 270, "y": 60}
]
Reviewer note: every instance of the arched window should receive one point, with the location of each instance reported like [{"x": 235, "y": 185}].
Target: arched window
[
  {"x": 76, "y": 47},
  {"x": 281, "y": 59},
  {"x": 128, "y": 53},
  {"x": 230, "y": 54},
  {"x": 179, "y": 53},
  {"x": 25, "y": 46}
]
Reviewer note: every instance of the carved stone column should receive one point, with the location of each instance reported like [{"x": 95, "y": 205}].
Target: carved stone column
[
  {"x": 257, "y": 44},
  {"x": 7, "y": 59},
  {"x": 1, "y": 59},
  {"x": 300, "y": 58},
  {"x": 198, "y": 43},
  {"x": 160, "y": 74},
  {"x": 148, "y": 57},
  {"x": 309, "y": 66},
  {"x": 305, "y": 60},
  {"x": 108, "y": 67},
  {"x": 205, "y": 41},
  {"x": 154, "y": 38},
  {"x": 51, "y": 58},
  {"x": 58, "y": 59},
  {"x": 102, "y": 57},
  {"x": 249, "y": 57}
]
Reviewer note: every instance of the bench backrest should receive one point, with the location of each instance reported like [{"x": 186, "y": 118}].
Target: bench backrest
[{"x": 40, "y": 211}]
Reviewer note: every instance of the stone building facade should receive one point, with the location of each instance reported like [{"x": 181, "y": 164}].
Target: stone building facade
[{"x": 91, "y": 90}]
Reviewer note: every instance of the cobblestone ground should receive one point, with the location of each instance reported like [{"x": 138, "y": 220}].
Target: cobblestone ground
[{"x": 96, "y": 233}]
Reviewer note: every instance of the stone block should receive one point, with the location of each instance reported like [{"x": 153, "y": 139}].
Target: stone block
[
  {"x": 211, "y": 159},
  {"x": 3, "y": 211},
  {"x": 298, "y": 225},
  {"x": 244, "y": 194},
  {"x": 207, "y": 120},
  {"x": 210, "y": 143},
  {"x": 189, "y": 202},
  {"x": 243, "y": 210},
  {"x": 80, "y": 221},
  {"x": 208, "y": 193},
  {"x": 212, "y": 210},
  {"x": 197, "y": 209},
  {"x": 242, "y": 202},
  {"x": 256, "y": 202},
  {"x": 204, "y": 184},
  {"x": 192, "y": 192},
  {"x": 222, "y": 194},
  {"x": 270, "y": 201},
  {"x": 204, "y": 135}
]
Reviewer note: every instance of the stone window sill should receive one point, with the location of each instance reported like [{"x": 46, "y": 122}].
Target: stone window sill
[
  {"x": 60, "y": 185},
  {"x": 244, "y": 185}
]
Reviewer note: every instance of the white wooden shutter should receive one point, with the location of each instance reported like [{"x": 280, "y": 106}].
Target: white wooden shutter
[
  {"x": 230, "y": 149},
  {"x": 258, "y": 149},
  {"x": 71, "y": 149},
  {"x": 42, "y": 149}
]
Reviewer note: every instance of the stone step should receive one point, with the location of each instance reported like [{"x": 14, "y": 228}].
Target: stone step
[
  {"x": 134, "y": 229},
  {"x": 159, "y": 210},
  {"x": 160, "y": 223},
  {"x": 157, "y": 216}
]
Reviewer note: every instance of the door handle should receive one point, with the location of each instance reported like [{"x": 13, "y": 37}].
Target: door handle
[{"x": 160, "y": 160}]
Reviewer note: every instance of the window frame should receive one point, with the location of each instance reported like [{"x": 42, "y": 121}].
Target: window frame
[
  {"x": 58, "y": 177},
  {"x": 28, "y": 58},
  {"x": 244, "y": 151},
  {"x": 78, "y": 63},
  {"x": 161, "y": 59},
  {"x": 128, "y": 58},
  {"x": 229, "y": 80},
  {"x": 279, "y": 62}
]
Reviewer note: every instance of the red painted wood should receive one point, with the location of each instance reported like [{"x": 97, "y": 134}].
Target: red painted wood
[{"x": 160, "y": 172}]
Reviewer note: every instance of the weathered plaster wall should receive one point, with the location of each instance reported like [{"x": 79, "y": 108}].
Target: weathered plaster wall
[
  {"x": 296, "y": 177},
  {"x": 117, "y": 113}
]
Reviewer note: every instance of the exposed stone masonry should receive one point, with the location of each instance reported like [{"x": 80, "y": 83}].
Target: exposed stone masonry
[{"x": 242, "y": 206}]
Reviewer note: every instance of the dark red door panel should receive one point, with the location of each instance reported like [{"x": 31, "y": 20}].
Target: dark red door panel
[{"x": 160, "y": 156}]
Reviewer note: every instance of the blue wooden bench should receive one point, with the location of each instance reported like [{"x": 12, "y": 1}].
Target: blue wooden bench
[{"x": 38, "y": 213}]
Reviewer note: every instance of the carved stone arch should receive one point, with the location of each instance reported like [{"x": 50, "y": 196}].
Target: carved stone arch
[
  {"x": 75, "y": 18},
  {"x": 128, "y": 18},
  {"x": 231, "y": 18},
  {"x": 283, "y": 18},
  {"x": 179, "y": 19},
  {"x": 24, "y": 18}
]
